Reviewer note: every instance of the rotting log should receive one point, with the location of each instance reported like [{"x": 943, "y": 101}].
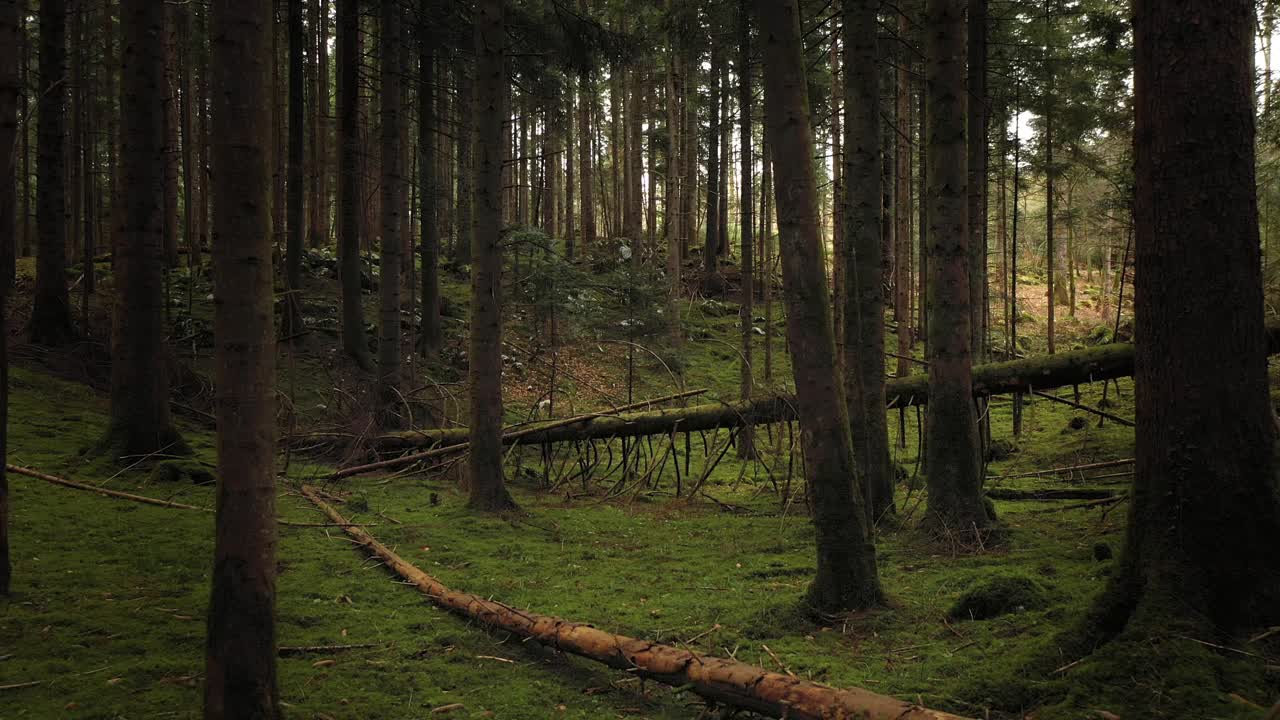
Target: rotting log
[
  {"x": 1077, "y": 367},
  {"x": 722, "y": 681}
]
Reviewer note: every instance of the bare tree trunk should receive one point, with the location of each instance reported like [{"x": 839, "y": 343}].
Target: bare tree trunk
[
  {"x": 319, "y": 234},
  {"x": 864, "y": 291},
  {"x": 571, "y": 178},
  {"x": 766, "y": 260},
  {"x": 1194, "y": 551},
  {"x": 464, "y": 217},
  {"x": 846, "y": 569},
  {"x": 140, "y": 421},
  {"x": 712, "y": 280},
  {"x": 746, "y": 438},
  {"x": 11, "y": 88},
  {"x": 902, "y": 203},
  {"x": 241, "y": 648},
  {"x": 839, "y": 287},
  {"x": 955, "y": 482},
  {"x": 51, "y": 312},
  {"x": 349, "y": 206},
  {"x": 586, "y": 97},
  {"x": 292, "y": 327},
  {"x": 392, "y": 187},
  {"x": 977, "y": 160},
  {"x": 428, "y": 129},
  {"x": 171, "y": 145},
  {"x": 487, "y": 489}
]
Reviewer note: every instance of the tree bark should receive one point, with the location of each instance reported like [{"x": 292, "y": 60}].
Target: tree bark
[
  {"x": 1204, "y": 507},
  {"x": 902, "y": 202},
  {"x": 140, "y": 421},
  {"x": 487, "y": 490},
  {"x": 586, "y": 98},
  {"x": 977, "y": 161},
  {"x": 846, "y": 567},
  {"x": 319, "y": 234},
  {"x": 428, "y": 130},
  {"x": 465, "y": 141},
  {"x": 354, "y": 344},
  {"x": 292, "y": 326},
  {"x": 746, "y": 206},
  {"x": 392, "y": 188},
  {"x": 954, "y": 480},
  {"x": 11, "y": 89},
  {"x": 864, "y": 291},
  {"x": 172, "y": 149},
  {"x": 241, "y": 648},
  {"x": 712, "y": 280},
  {"x": 50, "y": 322}
]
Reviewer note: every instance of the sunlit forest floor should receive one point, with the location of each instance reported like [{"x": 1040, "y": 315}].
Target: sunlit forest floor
[{"x": 110, "y": 596}]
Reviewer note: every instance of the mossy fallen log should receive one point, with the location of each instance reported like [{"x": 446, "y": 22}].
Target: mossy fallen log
[
  {"x": 717, "y": 679},
  {"x": 1076, "y": 367}
]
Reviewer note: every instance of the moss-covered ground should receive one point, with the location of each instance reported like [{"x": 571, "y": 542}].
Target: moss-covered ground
[{"x": 107, "y": 613}]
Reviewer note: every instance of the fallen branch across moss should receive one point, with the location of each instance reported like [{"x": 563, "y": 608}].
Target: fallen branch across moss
[{"x": 723, "y": 681}]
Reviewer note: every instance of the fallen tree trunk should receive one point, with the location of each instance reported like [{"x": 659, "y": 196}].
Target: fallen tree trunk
[
  {"x": 717, "y": 679},
  {"x": 1077, "y": 367}
]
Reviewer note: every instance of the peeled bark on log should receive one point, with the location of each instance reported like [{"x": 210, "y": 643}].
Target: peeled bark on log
[
  {"x": 717, "y": 679},
  {"x": 1076, "y": 367}
]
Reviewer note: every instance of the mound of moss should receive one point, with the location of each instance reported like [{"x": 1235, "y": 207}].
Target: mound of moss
[
  {"x": 999, "y": 595},
  {"x": 172, "y": 471}
]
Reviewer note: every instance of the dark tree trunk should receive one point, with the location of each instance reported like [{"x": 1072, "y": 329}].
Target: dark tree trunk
[
  {"x": 1051, "y": 255},
  {"x": 671, "y": 203},
  {"x": 392, "y": 187},
  {"x": 488, "y": 491},
  {"x": 292, "y": 326},
  {"x": 952, "y": 449},
  {"x": 1204, "y": 514},
  {"x": 140, "y": 420},
  {"x": 11, "y": 89},
  {"x": 902, "y": 203},
  {"x": 864, "y": 291},
  {"x": 746, "y": 205},
  {"x": 712, "y": 281},
  {"x": 846, "y": 574},
  {"x": 428, "y": 129},
  {"x": 354, "y": 343},
  {"x": 586, "y": 97},
  {"x": 465, "y": 141},
  {"x": 51, "y": 312},
  {"x": 977, "y": 159},
  {"x": 319, "y": 234},
  {"x": 190, "y": 102},
  {"x": 241, "y": 648},
  {"x": 172, "y": 151}
]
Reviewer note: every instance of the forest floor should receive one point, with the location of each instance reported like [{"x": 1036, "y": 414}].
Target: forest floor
[{"x": 107, "y": 616}]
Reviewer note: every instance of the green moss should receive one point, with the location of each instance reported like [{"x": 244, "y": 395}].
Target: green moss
[
  {"x": 997, "y": 595},
  {"x": 193, "y": 471}
]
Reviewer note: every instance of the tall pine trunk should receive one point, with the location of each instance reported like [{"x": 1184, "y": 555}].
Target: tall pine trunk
[
  {"x": 862, "y": 254},
  {"x": 11, "y": 46},
  {"x": 712, "y": 280},
  {"x": 392, "y": 188},
  {"x": 292, "y": 327},
  {"x": 349, "y": 205},
  {"x": 140, "y": 419},
  {"x": 846, "y": 570},
  {"x": 428, "y": 130},
  {"x": 952, "y": 449},
  {"x": 241, "y": 651},
  {"x": 51, "y": 312},
  {"x": 487, "y": 488},
  {"x": 465, "y": 141},
  {"x": 746, "y": 203}
]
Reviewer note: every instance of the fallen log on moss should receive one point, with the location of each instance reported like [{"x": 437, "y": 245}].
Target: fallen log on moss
[
  {"x": 1077, "y": 367},
  {"x": 722, "y": 681},
  {"x": 1073, "y": 494},
  {"x": 19, "y": 470}
]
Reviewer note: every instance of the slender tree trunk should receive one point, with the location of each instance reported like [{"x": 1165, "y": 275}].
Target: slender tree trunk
[
  {"x": 955, "y": 482},
  {"x": 766, "y": 189},
  {"x": 864, "y": 291},
  {"x": 428, "y": 129},
  {"x": 846, "y": 569},
  {"x": 319, "y": 234},
  {"x": 349, "y": 205},
  {"x": 746, "y": 206},
  {"x": 586, "y": 97},
  {"x": 902, "y": 203},
  {"x": 11, "y": 88},
  {"x": 839, "y": 288},
  {"x": 392, "y": 187},
  {"x": 487, "y": 489},
  {"x": 1051, "y": 259},
  {"x": 464, "y": 144},
  {"x": 241, "y": 648},
  {"x": 140, "y": 421},
  {"x": 712, "y": 280},
  {"x": 171, "y": 144},
  {"x": 571, "y": 178},
  {"x": 292, "y": 327},
  {"x": 671, "y": 203},
  {"x": 1204, "y": 498},
  {"x": 51, "y": 312},
  {"x": 977, "y": 160}
]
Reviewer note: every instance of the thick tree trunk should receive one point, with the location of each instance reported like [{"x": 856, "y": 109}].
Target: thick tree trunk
[
  {"x": 952, "y": 447},
  {"x": 11, "y": 46},
  {"x": 392, "y": 188},
  {"x": 51, "y": 312},
  {"x": 977, "y": 160},
  {"x": 172, "y": 149},
  {"x": 354, "y": 344},
  {"x": 140, "y": 421},
  {"x": 428, "y": 129},
  {"x": 864, "y": 291},
  {"x": 1204, "y": 513},
  {"x": 464, "y": 217},
  {"x": 241, "y": 650},
  {"x": 487, "y": 489},
  {"x": 724, "y": 681},
  {"x": 292, "y": 326},
  {"x": 846, "y": 567}
]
